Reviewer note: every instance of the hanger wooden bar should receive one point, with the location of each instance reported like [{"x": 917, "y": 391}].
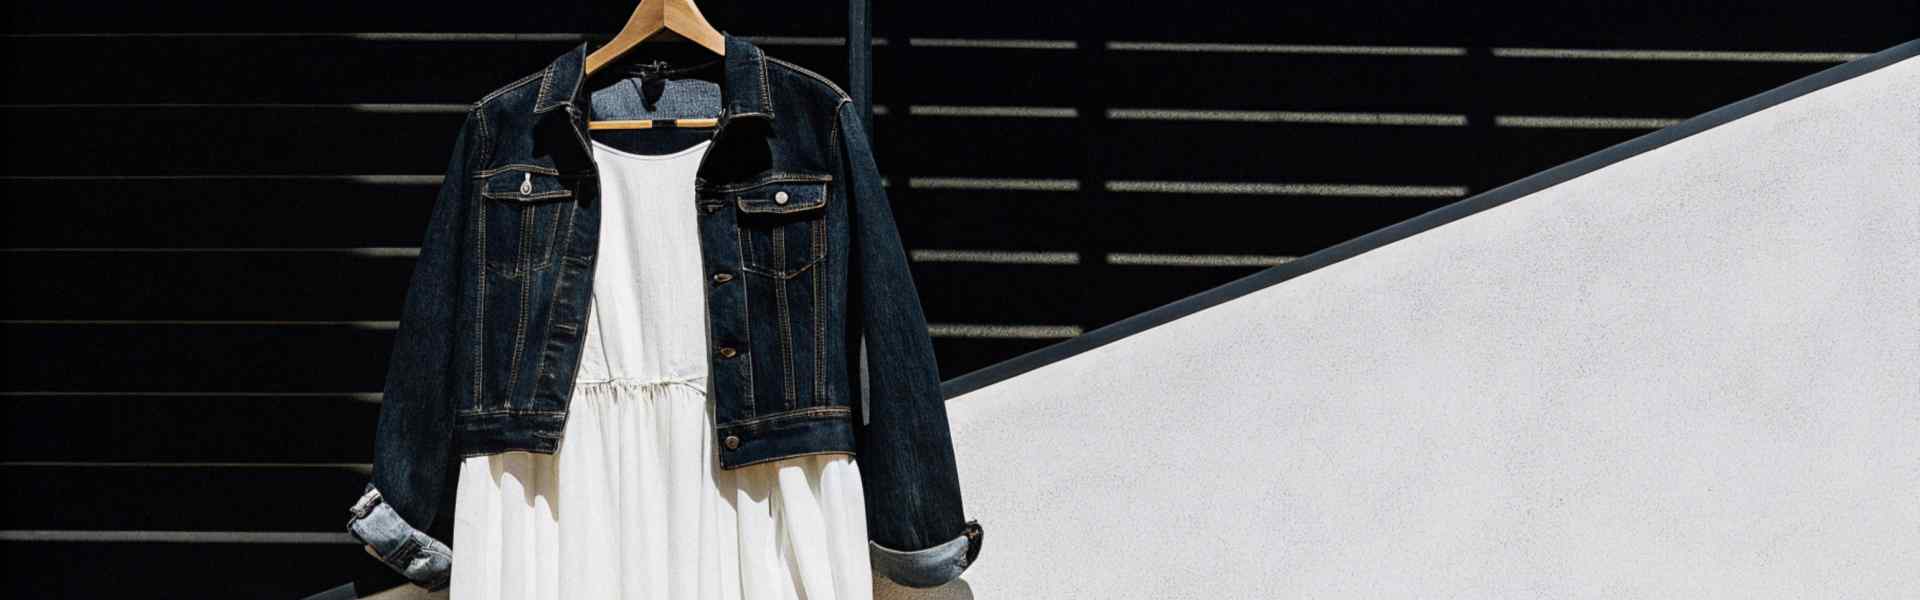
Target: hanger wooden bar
[
  {"x": 676, "y": 18},
  {"x": 655, "y": 123}
]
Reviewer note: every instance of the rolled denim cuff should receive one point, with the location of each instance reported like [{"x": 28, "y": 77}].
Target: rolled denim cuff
[
  {"x": 931, "y": 566},
  {"x": 411, "y": 552}
]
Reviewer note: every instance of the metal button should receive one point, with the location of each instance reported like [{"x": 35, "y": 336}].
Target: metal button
[
  {"x": 726, "y": 352},
  {"x": 526, "y": 185},
  {"x": 722, "y": 277},
  {"x": 733, "y": 442},
  {"x": 779, "y": 197}
]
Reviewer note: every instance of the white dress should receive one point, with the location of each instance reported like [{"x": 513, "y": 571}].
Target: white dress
[{"x": 633, "y": 503}]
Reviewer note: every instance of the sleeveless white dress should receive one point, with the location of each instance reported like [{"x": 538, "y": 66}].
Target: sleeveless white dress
[{"x": 633, "y": 504}]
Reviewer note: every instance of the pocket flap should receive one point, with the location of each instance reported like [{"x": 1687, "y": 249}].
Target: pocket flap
[
  {"x": 524, "y": 186},
  {"x": 782, "y": 197}
]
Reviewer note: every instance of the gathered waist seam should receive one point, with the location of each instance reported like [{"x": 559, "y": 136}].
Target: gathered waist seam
[{"x": 696, "y": 382}]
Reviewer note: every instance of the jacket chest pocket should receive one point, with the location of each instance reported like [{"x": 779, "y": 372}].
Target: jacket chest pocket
[
  {"x": 782, "y": 225},
  {"x": 524, "y": 212}
]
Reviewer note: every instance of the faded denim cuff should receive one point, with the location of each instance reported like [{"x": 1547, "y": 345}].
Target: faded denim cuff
[
  {"x": 411, "y": 552},
  {"x": 931, "y": 566}
]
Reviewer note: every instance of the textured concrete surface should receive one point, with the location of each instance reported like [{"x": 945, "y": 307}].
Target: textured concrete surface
[{"x": 1688, "y": 374}]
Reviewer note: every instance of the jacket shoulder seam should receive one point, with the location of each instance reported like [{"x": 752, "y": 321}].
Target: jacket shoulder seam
[
  {"x": 842, "y": 94},
  {"x": 484, "y": 153},
  {"x": 833, "y": 135},
  {"x": 516, "y": 84}
]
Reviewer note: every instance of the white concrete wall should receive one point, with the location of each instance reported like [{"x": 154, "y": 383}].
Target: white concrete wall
[{"x": 1688, "y": 374}]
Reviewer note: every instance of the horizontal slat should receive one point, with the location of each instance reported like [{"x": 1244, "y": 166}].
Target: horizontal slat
[
  {"x": 1289, "y": 116},
  {"x": 1269, "y": 48},
  {"x": 1633, "y": 54},
  {"x": 1015, "y": 257},
  {"x": 1195, "y": 260}
]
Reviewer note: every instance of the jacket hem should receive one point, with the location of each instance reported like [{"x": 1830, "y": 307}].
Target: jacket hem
[{"x": 817, "y": 430}]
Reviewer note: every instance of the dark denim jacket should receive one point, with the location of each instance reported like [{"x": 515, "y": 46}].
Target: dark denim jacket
[{"x": 804, "y": 267}]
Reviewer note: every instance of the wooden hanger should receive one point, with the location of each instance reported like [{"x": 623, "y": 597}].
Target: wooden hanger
[{"x": 650, "y": 18}]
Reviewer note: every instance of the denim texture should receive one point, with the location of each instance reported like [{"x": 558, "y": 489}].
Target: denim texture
[
  {"x": 806, "y": 281},
  {"x": 411, "y": 552}
]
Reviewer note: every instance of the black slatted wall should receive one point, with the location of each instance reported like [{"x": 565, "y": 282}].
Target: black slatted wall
[{"x": 212, "y": 208}]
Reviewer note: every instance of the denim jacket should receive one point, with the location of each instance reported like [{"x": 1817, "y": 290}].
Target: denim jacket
[{"x": 806, "y": 284}]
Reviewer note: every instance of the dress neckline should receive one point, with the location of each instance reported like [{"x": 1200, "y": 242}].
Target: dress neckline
[{"x": 598, "y": 145}]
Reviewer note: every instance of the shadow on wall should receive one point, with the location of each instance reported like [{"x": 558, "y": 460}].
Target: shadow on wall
[
  {"x": 952, "y": 590},
  {"x": 405, "y": 591},
  {"x": 882, "y": 590}
]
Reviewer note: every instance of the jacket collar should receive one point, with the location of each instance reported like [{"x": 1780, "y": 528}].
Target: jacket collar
[{"x": 745, "y": 74}]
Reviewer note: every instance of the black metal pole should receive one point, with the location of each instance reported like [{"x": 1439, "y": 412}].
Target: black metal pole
[{"x": 860, "y": 59}]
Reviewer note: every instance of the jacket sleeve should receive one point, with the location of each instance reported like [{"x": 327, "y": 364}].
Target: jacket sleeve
[
  {"x": 413, "y": 438},
  {"x": 918, "y": 535}
]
